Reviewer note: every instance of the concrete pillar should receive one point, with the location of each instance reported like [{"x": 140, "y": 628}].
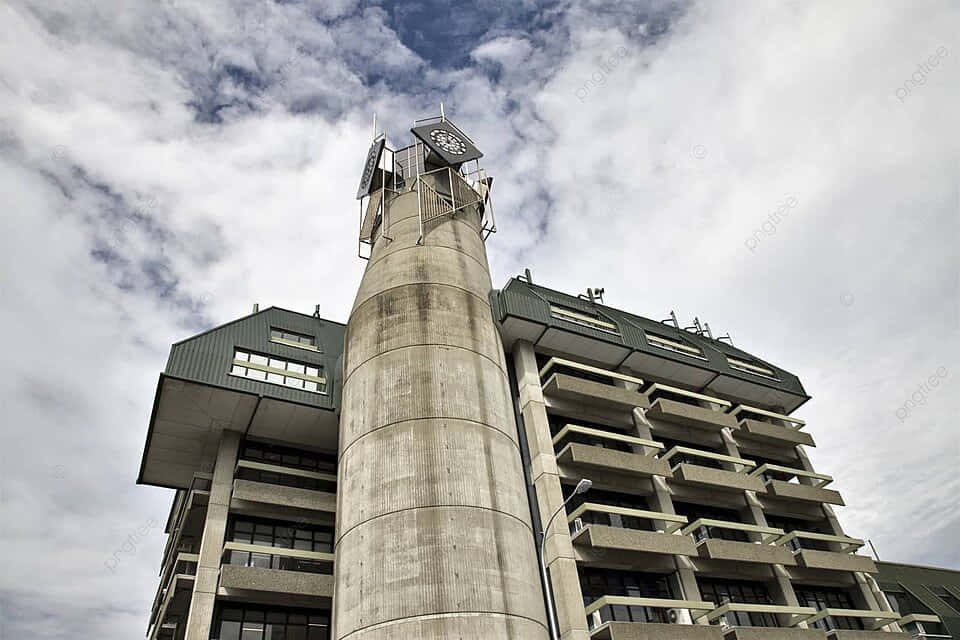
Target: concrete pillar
[
  {"x": 200, "y": 616},
  {"x": 434, "y": 538},
  {"x": 562, "y": 565}
]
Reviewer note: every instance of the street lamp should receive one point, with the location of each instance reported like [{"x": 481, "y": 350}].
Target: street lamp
[{"x": 582, "y": 487}]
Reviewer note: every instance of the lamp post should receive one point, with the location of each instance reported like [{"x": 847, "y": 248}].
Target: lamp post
[{"x": 582, "y": 487}]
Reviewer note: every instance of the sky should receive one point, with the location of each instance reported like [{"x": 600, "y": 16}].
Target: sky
[{"x": 786, "y": 171}]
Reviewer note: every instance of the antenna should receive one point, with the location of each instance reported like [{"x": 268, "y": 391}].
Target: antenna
[
  {"x": 529, "y": 276},
  {"x": 598, "y": 292},
  {"x": 672, "y": 319},
  {"x": 706, "y": 327},
  {"x": 374, "y": 124},
  {"x": 874, "y": 549},
  {"x": 316, "y": 312},
  {"x": 443, "y": 118},
  {"x": 726, "y": 337}
]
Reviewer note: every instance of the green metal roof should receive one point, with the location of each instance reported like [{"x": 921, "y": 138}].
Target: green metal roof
[
  {"x": 920, "y": 583},
  {"x": 207, "y": 357},
  {"x": 531, "y": 302}
]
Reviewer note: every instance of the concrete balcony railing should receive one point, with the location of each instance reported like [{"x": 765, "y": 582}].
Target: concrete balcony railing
[
  {"x": 281, "y": 495},
  {"x": 773, "y": 633},
  {"x": 317, "y": 582},
  {"x": 788, "y": 616},
  {"x": 765, "y": 551},
  {"x": 686, "y": 412},
  {"x": 871, "y": 620},
  {"x": 768, "y": 427},
  {"x": 924, "y": 626},
  {"x": 842, "y": 558},
  {"x": 722, "y": 479},
  {"x": 788, "y": 490},
  {"x": 609, "y": 609},
  {"x": 654, "y": 631},
  {"x": 625, "y": 539},
  {"x": 561, "y": 381},
  {"x": 608, "y": 459}
]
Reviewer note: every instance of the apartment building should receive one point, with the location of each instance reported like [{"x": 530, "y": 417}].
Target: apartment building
[{"x": 393, "y": 477}]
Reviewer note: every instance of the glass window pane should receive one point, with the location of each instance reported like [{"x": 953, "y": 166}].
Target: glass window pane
[
  {"x": 276, "y": 333},
  {"x": 232, "y": 614},
  {"x": 229, "y": 630},
  {"x": 238, "y": 370},
  {"x": 275, "y": 378},
  {"x": 313, "y": 371},
  {"x": 258, "y": 359},
  {"x": 256, "y": 375},
  {"x": 310, "y": 386},
  {"x": 241, "y": 355},
  {"x": 277, "y": 364},
  {"x": 295, "y": 367},
  {"x": 252, "y": 631},
  {"x": 294, "y": 382}
]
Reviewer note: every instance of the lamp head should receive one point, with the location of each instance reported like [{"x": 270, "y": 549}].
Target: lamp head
[{"x": 583, "y": 486}]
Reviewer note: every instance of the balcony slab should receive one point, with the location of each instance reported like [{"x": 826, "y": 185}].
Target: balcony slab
[
  {"x": 619, "y": 539},
  {"x": 766, "y": 432},
  {"x": 802, "y": 492},
  {"x": 745, "y": 552},
  {"x": 593, "y": 394},
  {"x": 716, "y": 478},
  {"x": 690, "y": 415},
  {"x": 612, "y": 460},
  {"x": 279, "y": 495},
  {"x": 772, "y": 633},
  {"x": 298, "y": 583},
  {"x": 652, "y": 631},
  {"x": 846, "y": 634},
  {"x": 814, "y": 559}
]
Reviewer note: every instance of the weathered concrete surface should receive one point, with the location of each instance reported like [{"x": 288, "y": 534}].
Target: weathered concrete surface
[
  {"x": 772, "y": 433},
  {"x": 274, "y": 580},
  {"x": 814, "y": 559},
  {"x": 793, "y": 491},
  {"x": 844, "y": 634},
  {"x": 643, "y": 631},
  {"x": 276, "y": 494},
  {"x": 593, "y": 393},
  {"x": 433, "y": 526},
  {"x": 619, "y": 539},
  {"x": 589, "y": 456},
  {"x": 717, "y": 478},
  {"x": 769, "y": 633},
  {"x": 690, "y": 416},
  {"x": 745, "y": 552}
]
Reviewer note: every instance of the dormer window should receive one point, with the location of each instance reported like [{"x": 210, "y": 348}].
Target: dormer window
[
  {"x": 755, "y": 368},
  {"x": 583, "y": 318},
  {"x": 293, "y": 339},
  {"x": 264, "y": 368},
  {"x": 671, "y": 344}
]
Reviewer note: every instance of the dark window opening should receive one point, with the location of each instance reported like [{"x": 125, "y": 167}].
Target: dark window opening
[
  {"x": 596, "y": 583},
  {"x": 247, "y": 622},
  {"x": 694, "y": 512},
  {"x": 720, "y": 592},
  {"x": 613, "y": 499},
  {"x": 292, "y": 336},
  {"x": 821, "y": 598}
]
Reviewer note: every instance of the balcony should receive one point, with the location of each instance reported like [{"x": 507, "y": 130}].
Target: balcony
[
  {"x": 773, "y": 633},
  {"x": 639, "y": 613},
  {"x": 173, "y": 598},
  {"x": 787, "y": 490},
  {"x": 654, "y": 631},
  {"x": 681, "y": 408},
  {"x": 607, "y": 538},
  {"x": 713, "y": 547},
  {"x": 841, "y": 559},
  {"x": 764, "y": 426},
  {"x": 787, "y": 616},
  {"x": 589, "y": 386},
  {"x": 250, "y": 568},
  {"x": 710, "y": 476},
  {"x": 575, "y": 451},
  {"x": 269, "y": 484},
  {"x": 923, "y": 626},
  {"x": 871, "y": 620}
]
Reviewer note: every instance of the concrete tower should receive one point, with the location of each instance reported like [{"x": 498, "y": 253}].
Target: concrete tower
[{"x": 434, "y": 537}]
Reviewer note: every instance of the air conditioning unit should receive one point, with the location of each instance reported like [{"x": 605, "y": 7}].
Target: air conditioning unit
[{"x": 679, "y": 616}]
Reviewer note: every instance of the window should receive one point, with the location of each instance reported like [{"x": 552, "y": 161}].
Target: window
[
  {"x": 612, "y": 499},
  {"x": 721, "y": 592},
  {"x": 288, "y": 456},
  {"x": 297, "y": 375},
  {"x": 284, "y": 535},
  {"x": 695, "y": 512},
  {"x": 684, "y": 458},
  {"x": 821, "y": 598},
  {"x": 261, "y": 623},
  {"x": 583, "y": 318},
  {"x": 596, "y": 583},
  {"x": 671, "y": 344},
  {"x": 752, "y": 367},
  {"x": 788, "y": 525},
  {"x": 295, "y": 339}
]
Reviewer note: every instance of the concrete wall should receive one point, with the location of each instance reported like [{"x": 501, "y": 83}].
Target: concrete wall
[{"x": 434, "y": 538}]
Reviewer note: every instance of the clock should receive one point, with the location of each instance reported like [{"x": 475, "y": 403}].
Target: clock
[
  {"x": 370, "y": 167},
  {"x": 447, "y": 144}
]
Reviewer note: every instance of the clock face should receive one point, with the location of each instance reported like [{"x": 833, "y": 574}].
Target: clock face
[{"x": 448, "y": 141}]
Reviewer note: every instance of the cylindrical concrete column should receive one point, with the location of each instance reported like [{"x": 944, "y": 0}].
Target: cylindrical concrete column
[{"x": 433, "y": 524}]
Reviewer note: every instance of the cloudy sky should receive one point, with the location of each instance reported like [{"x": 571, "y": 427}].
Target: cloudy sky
[{"x": 787, "y": 171}]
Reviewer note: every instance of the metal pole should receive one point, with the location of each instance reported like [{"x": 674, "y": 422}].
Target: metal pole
[{"x": 543, "y": 562}]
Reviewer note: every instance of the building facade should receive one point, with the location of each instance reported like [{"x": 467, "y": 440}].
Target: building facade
[{"x": 393, "y": 477}]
